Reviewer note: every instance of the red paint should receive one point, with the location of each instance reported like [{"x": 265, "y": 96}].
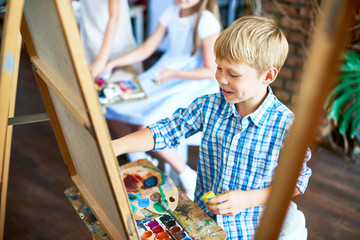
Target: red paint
[
  {"x": 157, "y": 229},
  {"x": 131, "y": 182}
]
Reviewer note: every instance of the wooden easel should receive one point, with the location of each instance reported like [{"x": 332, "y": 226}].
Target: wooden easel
[
  {"x": 52, "y": 39},
  {"x": 10, "y": 52},
  {"x": 317, "y": 79},
  {"x": 63, "y": 77}
]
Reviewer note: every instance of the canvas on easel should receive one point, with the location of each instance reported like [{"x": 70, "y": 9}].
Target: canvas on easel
[{"x": 52, "y": 39}]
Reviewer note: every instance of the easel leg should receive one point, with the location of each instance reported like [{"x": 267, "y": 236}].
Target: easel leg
[{"x": 10, "y": 57}]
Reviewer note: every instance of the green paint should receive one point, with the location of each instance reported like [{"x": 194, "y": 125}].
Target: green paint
[
  {"x": 133, "y": 208},
  {"x": 157, "y": 206},
  {"x": 165, "y": 218}
]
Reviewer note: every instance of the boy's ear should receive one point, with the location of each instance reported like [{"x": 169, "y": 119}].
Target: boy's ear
[{"x": 271, "y": 75}]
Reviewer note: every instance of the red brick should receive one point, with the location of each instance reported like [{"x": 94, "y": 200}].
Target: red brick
[
  {"x": 306, "y": 12},
  {"x": 297, "y": 37},
  {"x": 292, "y": 86},
  {"x": 293, "y": 48},
  {"x": 282, "y": 95},
  {"x": 286, "y": 73},
  {"x": 294, "y": 61},
  {"x": 302, "y": 51},
  {"x": 278, "y": 83}
]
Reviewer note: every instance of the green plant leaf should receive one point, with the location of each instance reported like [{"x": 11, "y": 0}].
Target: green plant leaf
[
  {"x": 343, "y": 103},
  {"x": 339, "y": 103},
  {"x": 348, "y": 115}
]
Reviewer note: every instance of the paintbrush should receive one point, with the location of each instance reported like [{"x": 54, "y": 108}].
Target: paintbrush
[{"x": 157, "y": 197}]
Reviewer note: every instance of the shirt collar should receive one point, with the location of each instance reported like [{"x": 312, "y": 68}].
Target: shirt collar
[{"x": 258, "y": 117}]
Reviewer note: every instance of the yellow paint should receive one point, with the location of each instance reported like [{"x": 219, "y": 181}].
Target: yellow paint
[{"x": 209, "y": 195}]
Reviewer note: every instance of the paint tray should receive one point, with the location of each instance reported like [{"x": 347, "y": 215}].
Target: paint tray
[{"x": 165, "y": 227}]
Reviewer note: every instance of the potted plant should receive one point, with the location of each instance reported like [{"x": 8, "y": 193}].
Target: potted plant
[{"x": 343, "y": 105}]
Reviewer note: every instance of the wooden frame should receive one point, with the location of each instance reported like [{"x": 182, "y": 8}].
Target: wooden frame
[
  {"x": 10, "y": 55},
  {"x": 52, "y": 38},
  {"x": 320, "y": 70}
]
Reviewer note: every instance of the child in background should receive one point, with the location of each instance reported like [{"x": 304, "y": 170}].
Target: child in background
[
  {"x": 243, "y": 127},
  {"x": 185, "y": 71},
  {"x": 106, "y": 32}
]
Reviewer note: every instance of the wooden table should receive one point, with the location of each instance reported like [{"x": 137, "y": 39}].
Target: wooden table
[{"x": 198, "y": 222}]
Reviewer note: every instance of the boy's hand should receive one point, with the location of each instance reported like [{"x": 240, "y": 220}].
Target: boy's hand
[{"x": 229, "y": 203}]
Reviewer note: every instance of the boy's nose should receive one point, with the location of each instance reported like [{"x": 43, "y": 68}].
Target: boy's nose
[{"x": 221, "y": 79}]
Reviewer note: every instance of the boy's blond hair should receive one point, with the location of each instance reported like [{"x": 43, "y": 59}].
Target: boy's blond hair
[{"x": 254, "y": 40}]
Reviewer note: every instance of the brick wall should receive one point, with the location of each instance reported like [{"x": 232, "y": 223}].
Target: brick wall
[{"x": 296, "y": 18}]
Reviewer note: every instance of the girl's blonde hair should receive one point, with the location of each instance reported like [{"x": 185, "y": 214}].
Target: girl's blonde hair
[
  {"x": 254, "y": 40},
  {"x": 210, "y": 5}
]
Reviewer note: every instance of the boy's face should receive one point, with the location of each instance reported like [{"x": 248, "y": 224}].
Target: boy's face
[{"x": 240, "y": 83}]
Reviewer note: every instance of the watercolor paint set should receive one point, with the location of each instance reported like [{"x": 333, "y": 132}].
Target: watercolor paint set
[{"x": 164, "y": 227}]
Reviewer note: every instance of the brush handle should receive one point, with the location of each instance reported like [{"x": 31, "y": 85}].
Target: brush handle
[{"x": 176, "y": 218}]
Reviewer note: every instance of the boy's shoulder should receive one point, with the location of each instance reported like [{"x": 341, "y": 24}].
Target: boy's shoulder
[{"x": 278, "y": 110}]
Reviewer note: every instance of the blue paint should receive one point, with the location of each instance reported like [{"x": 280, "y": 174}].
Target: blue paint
[
  {"x": 133, "y": 197},
  {"x": 88, "y": 210},
  {"x": 9, "y": 62},
  {"x": 91, "y": 227},
  {"x": 74, "y": 198},
  {"x": 150, "y": 182},
  {"x": 144, "y": 202}
]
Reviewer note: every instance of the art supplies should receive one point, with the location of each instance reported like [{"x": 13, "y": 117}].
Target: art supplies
[
  {"x": 141, "y": 183},
  {"x": 120, "y": 86},
  {"x": 164, "y": 227},
  {"x": 207, "y": 196}
]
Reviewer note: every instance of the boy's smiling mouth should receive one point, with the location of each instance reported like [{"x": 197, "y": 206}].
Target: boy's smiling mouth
[{"x": 225, "y": 92}]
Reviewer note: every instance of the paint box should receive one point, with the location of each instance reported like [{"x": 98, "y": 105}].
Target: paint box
[{"x": 165, "y": 227}]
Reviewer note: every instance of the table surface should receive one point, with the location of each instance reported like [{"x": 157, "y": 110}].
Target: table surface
[{"x": 197, "y": 221}]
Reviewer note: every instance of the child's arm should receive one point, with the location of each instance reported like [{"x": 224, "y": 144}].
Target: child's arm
[
  {"x": 233, "y": 202},
  {"x": 99, "y": 63},
  {"x": 140, "y": 53},
  {"x": 140, "y": 141}
]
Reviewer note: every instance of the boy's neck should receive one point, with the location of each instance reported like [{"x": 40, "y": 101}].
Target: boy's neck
[{"x": 251, "y": 105}]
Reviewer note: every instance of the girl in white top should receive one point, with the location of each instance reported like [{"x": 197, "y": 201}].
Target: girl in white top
[
  {"x": 106, "y": 32},
  {"x": 185, "y": 71}
]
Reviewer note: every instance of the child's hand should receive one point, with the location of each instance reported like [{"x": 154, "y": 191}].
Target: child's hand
[
  {"x": 97, "y": 67},
  {"x": 165, "y": 75},
  {"x": 108, "y": 68},
  {"x": 229, "y": 203}
]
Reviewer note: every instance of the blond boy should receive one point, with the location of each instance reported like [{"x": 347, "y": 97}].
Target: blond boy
[{"x": 243, "y": 127}]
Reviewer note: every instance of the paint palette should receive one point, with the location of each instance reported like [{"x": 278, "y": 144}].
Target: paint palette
[
  {"x": 142, "y": 184},
  {"x": 164, "y": 227}
]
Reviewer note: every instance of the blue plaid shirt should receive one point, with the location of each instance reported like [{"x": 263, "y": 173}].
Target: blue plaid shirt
[{"x": 235, "y": 153}]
